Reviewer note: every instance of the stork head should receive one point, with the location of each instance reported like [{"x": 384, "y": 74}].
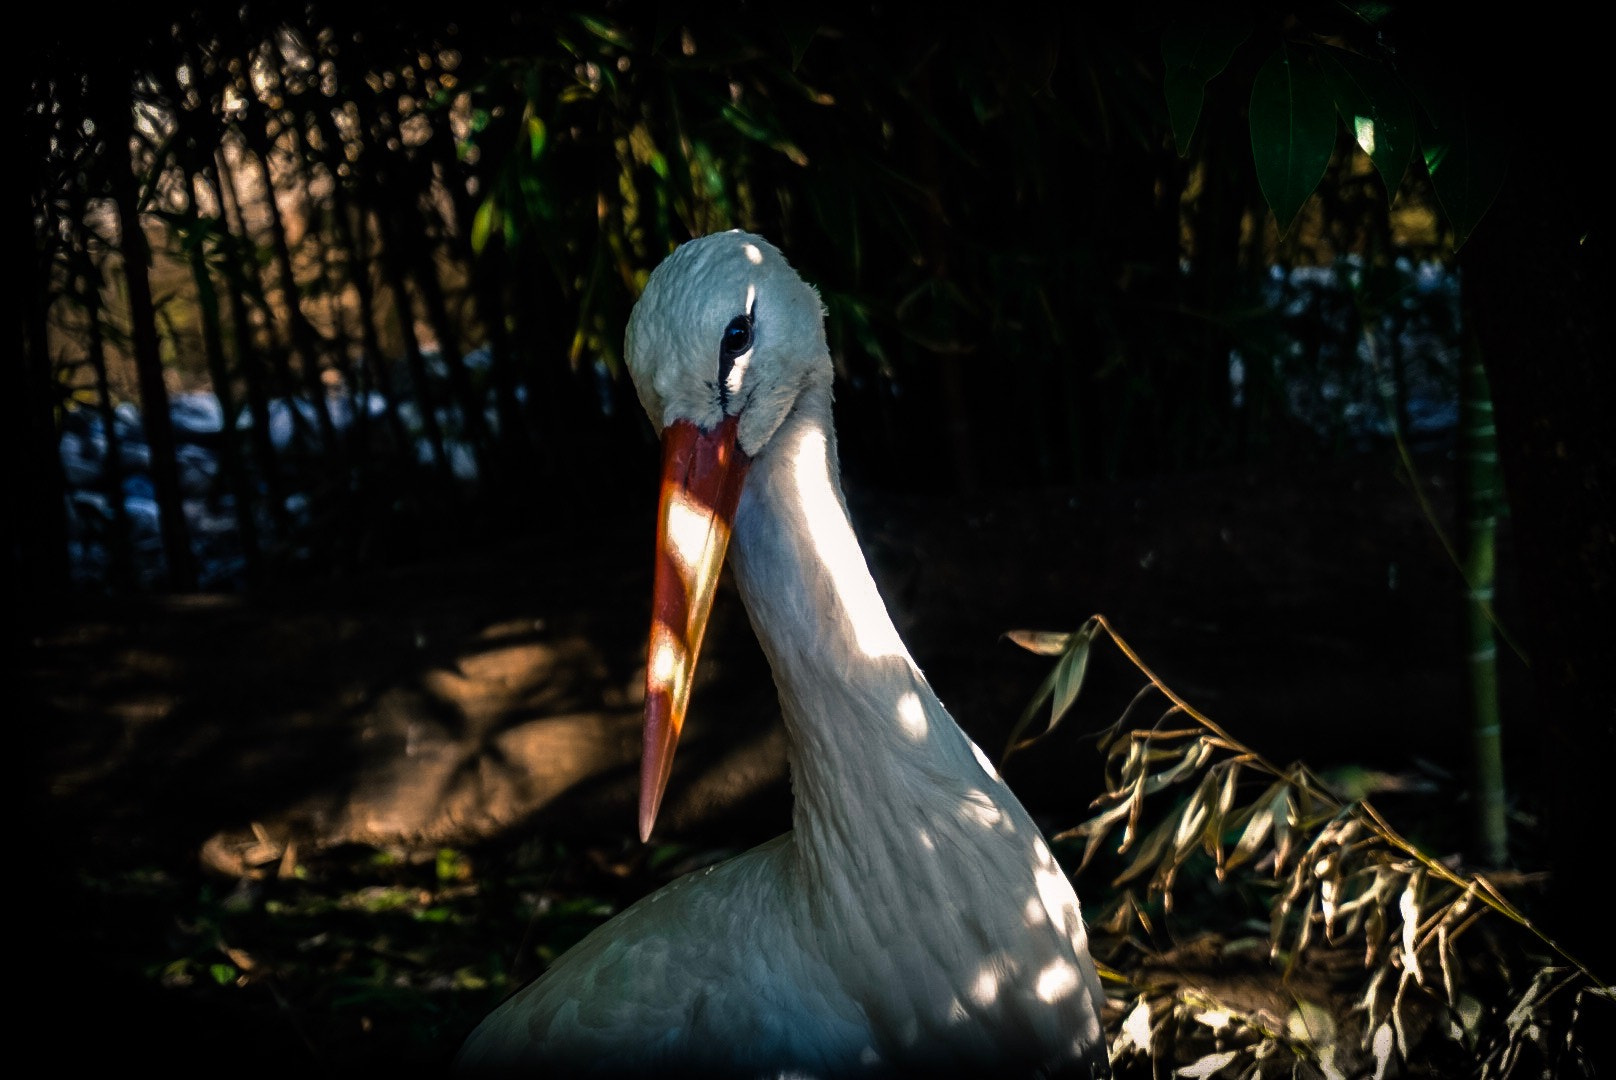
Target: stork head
[
  {"x": 721, "y": 345},
  {"x": 726, "y": 328}
]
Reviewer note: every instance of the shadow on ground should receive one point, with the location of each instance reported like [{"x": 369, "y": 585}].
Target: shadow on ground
[{"x": 456, "y": 744}]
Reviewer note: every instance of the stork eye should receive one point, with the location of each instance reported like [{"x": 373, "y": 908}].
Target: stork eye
[{"x": 736, "y": 340}]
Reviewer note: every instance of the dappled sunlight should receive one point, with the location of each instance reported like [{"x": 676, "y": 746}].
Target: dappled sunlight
[
  {"x": 982, "y": 760},
  {"x": 979, "y": 808},
  {"x": 1054, "y": 890},
  {"x": 985, "y": 990},
  {"x": 743, "y": 362},
  {"x": 696, "y": 539},
  {"x": 912, "y": 717},
  {"x": 1058, "y": 980},
  {"x": 669, "y": 665},
  {"x": 825, "y": 521},
  {"x": 1035, "y": 914}
]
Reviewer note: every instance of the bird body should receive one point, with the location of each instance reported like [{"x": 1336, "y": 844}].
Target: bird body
[{"x": 913, "y": 922}]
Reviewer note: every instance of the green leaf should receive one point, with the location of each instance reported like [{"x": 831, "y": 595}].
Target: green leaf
[
  {"x": 1293, "y": 130},
  {"x": 1467, "y": 158},
  {"x": 1372, "y": 12},
  {"x": 1060, "y": 685},
  {"x": 482, "y": 223},
  {"x": 1195, "y": 52},
  {"x": 1069, "y": 675},
  {"x": 450, "y": 865},
  {"x": 1376, "y": 109},
  {"x": 537, "y": 135},
  {"x": 799, "y": 27}
]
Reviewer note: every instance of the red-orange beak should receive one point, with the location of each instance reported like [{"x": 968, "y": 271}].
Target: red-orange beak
[{"x": 701, "y": 486}]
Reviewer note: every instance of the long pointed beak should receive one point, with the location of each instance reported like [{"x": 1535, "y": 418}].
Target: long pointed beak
[{"x": 702, "y": 474}]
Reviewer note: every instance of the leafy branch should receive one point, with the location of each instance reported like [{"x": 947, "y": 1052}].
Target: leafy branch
[{"x": 1342, "y": 880}]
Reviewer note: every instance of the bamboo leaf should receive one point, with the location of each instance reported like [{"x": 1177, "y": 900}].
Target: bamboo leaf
[
  {"x": 1381, "y": 1045},
  {"x": 1193, "y": 53},
  {"x": 1293, "y": 130},
  {"x": 799, "y": 30},
  {"x": 1041, "y": 642},
  {"x": 1135, "y": 1030},
  {"x": 1069, "y": 674},
  {"x": 1311, "y": 1024},
  {"x": 1208, "y": 1065},
  {"x": 1095, "y": 829},
  {"x": 1260, "y": 824},
  {"x": 1285, "y": 832},
  {"x": 1061, "y": 685},
  {"x": 1231, "y": 780},
  {"x": 1190, "y": 832},
  {"x": 1466, "y": 158},
  {"x": 1408, "y": 905},
  {"x": 483, "y": 223},
  {"x": 1192, "y": 758},
  {"x": 1150, "y": 852},
  {"x": 1376, "y": 109}
]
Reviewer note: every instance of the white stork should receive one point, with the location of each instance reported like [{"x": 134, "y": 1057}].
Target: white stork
[{"x": 913, "y": 922}]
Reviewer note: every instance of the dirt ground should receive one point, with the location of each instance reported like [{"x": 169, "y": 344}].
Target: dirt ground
[{"x": 491, "y": 698}]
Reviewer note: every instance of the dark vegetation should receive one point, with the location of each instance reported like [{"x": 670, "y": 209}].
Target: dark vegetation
[{"x": 329, "y": 697}]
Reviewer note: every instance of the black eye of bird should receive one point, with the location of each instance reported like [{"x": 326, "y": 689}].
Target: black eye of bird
[{"x": 736, "y": 340}]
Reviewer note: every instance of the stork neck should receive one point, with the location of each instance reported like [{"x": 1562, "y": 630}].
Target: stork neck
[{"x": 870, "y": 743}]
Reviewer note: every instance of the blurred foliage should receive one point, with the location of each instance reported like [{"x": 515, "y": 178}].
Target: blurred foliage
[{"x": 1039, "y": 237}]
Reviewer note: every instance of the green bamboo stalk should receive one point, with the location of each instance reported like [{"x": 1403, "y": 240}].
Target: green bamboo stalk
[{"x": 1479, "y": 496}]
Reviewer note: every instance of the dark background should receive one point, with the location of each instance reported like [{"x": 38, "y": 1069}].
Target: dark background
[{"x": 331, "y": 738}]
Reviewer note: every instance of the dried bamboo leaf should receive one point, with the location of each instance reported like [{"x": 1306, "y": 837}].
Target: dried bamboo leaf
[
  {"x": 1230, "y": 784},
  {"x": 1284, "y": 825},
  {"x": 1041, "y": 642},
  {"x": 1373, "y": 1011},
  {"x": 1162, "y": 883},
  {"x": 1381, "y": 1042},
  {"x": 1444, "y": 959},
  {"x": 1329, "y": 889},
  {"x": 1276, "y": 926},
  {"x": 1350, "y": 913},
  {"x": 1189, "y": 834},
  {"x": 1311, "y": 1024},
  {"x": 1132, "y": 753},
  {"x": 1304, "y": 934},
  {"x": 1375, "y": 934},
  {"x": 1135, "y": 1030},
  {"x": 1408, "y": 906},
  {"x": 1209, "y": 1065},
  {"x": 1136, "y": 807},
  {"x": 1260, "y": 824},
  {"x": 1192, "y": 757},
  {"x": 1096, "y": 829},
  {"x": 1398, "y": 1011},
  {"x": 1150, "y": 852}
]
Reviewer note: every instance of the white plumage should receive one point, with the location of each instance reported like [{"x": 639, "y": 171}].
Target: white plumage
[{"x": 913, "y": 922}]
